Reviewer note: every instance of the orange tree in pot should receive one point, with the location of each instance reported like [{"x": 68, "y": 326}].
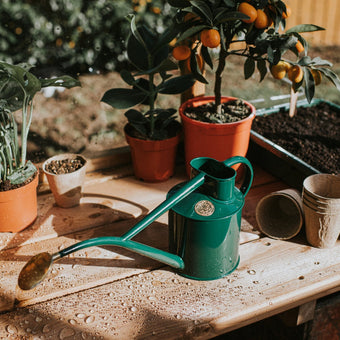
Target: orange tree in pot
[
  {"x": 211, "y": 31},
  {"x": 153, "y": 135},
  {"x": 18, "y": 176}
]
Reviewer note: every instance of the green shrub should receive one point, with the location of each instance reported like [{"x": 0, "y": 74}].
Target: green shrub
[{"x": 77, "y": 36}]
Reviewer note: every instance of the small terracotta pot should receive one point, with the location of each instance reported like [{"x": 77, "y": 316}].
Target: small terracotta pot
[
  {"x": 66, "y": 188},
  {"x": 18, "y": 207},
  {"x": 153, "y": 160},
  {"x": 218, "y": 141}
]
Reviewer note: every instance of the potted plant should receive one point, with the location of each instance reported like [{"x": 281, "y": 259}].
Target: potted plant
[
  {"x": 153, "y": 135},
  {"x": 65, "y": 174},
  {"x": 252, "y": 31},
  {"x": 19, "y": 176}
]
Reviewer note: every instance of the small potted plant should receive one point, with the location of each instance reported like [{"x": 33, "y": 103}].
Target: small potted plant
[
  {"x": 19, "y": 176},
  {"x": 209, "y": 32},
  {"x": 153, "y": 135}
]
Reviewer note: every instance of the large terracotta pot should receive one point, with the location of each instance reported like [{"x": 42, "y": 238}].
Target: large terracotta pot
[
  {"x": 218, "y": 141},
  {"x": 18, "y": 207},
  {"x": 153, "y": 160}
]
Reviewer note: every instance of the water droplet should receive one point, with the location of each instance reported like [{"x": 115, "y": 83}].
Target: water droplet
[
  {"x": 66, "y": 332},
  {"x": 28, "y": 330},
  {"x": 90, "y": 319},
  {"x": 72, "y": 322},
  {"x": 80, "y": 316},
  {"x": 11, "y": 329},
  {"x": 38, "y": 319},
  {"x": 301, "y": 277},
  {"x": 130, "y": 287},
  {"x": 251, "y": 272},
  {"x": 175, "y": 281},
  {"x": 255, "y": 282},
  {"x": 133, "y": 309},
  {"x": 151, "y": 298},
  {"x": 178, "y": 317}
]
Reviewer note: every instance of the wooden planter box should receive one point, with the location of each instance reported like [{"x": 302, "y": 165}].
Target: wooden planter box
[{"x": 275, "y": 159}]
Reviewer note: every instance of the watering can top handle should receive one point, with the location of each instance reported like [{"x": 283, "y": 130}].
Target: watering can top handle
[{"x": 248, "y": 178}]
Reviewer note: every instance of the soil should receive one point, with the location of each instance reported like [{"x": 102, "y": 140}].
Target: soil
[
  {"x": 64, "y": 166},
  {"x": 232, "y": 111},
  {"x": 312, "y": 135}
]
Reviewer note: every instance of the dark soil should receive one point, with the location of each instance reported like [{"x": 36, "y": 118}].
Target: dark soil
[
  {"x": 313, "y": 134},
  {"x": 64, "y": 166},
  {"x": 232, "y": 111}
]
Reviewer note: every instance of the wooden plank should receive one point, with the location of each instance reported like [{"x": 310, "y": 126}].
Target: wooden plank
[{"x": 273, "y": 276}]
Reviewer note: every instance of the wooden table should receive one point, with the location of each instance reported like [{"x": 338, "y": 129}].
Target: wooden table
[{"x": 112, "y": 293}]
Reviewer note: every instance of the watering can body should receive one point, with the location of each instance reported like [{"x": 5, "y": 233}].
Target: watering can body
[{"x": 204, "y": 227}]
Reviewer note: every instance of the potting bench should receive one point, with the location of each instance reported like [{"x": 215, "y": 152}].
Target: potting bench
[{"x": 112, "y": 293}]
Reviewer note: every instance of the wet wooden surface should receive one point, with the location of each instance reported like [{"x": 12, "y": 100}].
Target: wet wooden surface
[{"x": 112, "y": 293}]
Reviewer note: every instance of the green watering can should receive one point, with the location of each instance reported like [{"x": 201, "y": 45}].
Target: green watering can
[{"x": 204, "y": 226}]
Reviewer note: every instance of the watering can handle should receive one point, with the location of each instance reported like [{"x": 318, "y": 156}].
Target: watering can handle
[{"x": 248, "y": 178}]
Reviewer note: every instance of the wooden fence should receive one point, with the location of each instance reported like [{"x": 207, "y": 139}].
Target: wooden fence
[{"x": 324, "y": 13}]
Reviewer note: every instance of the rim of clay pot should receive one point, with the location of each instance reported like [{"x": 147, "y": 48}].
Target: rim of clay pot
[
  {"x": 209, "y": 99},
  {"x": 61, "y": 157}
]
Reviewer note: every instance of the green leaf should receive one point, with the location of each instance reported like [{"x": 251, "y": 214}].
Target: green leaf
[
  {"x": 203, "y": 8},
  {"x": 179, "y": 3},
  {"x": 304, "y": 28},
  {"x": 177, "y": 85},
  {"x": 317, "y": 61},
  {"x": 19, "y": 175},
  {"x": 63, "y": 81},
  {"x": 206, "y": 56},
  {"x": 127, "y": 77},
  {"x": 135, "y": 117},
  {"x": 331, "y": 76},
  {"x": 262, "y": 68},
  {"x": 309, "y": 84},
  {"x": 192, "y": 31},
  {"x": 230, "y": 16},
  {"x": 249, "y": 68},
  {"x": 195, "y": 70},
  {"x": 123, "y": 98}
]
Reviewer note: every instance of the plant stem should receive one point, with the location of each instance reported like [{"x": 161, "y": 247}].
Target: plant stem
[
  {"x": 24, "y": 130},
  {"x": 218, "y": 77}
]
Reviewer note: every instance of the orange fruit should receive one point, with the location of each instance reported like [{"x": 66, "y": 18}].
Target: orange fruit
[
  {"x": 210, "y": 38},
  {"x": 288, "y": 12},
  {"x": 199, "y": 60},
  {"x": 299, "y": 46},
  {"x": 181, "y": 52},
  {"x": 279, "y": 70},
  {"x": 295, "y": 74},
  {"x": 262, "y": 20},
  {"x": 317, "y": 76},
  {"x": 249, "y": 10}
]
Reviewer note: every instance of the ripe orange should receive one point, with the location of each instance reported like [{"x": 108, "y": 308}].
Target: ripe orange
[
  {"x": 249, "y": 10},
  {"x": 262, "y": 20},
  {"x": 295, "y": 74},
  {"x": 181, "y": 52},
  {"x": 299, "y": 47},
  {"x": 288, "y": 12},
  {"x": 317, "y": 76},
  {"x": 279, "y": 70},
  {"x": 210, "y": 38},
  {"x": 199, "y": 60}
]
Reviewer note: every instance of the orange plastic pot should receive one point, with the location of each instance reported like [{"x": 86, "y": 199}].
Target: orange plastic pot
[
  {"x": 218, "y": 141},
  {"x": 18, "y": 207},
  {"x": 153, "y": 160}
]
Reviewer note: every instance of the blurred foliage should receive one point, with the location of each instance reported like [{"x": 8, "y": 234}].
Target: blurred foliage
[{"x": 77, "y": 36}]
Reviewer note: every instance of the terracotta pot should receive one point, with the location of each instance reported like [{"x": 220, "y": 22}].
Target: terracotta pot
[
  {"x": 218, "y": 141},
  {"x": 18, "y": 207},
  {"x": 66, "y": 188},
  {"x": 153, "y": 160}
]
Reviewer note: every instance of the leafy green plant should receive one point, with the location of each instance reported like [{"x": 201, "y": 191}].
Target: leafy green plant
[
  {"x": 254, "y": 27},
  {"x": 18, "y": 87},
  {"x": 148, "y": 53}
]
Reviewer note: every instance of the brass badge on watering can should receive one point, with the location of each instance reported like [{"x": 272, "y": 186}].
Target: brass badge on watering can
[{"x": 204, "y": 208}]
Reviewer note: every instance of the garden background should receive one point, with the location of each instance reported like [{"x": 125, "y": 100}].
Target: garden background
[{"x": 86, "y": 39}]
